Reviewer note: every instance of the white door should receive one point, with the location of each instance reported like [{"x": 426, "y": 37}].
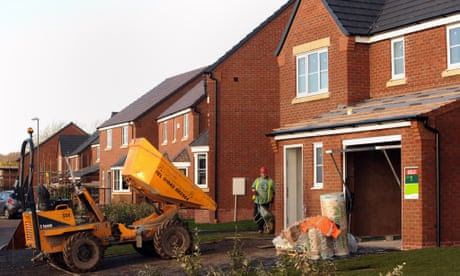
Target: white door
[{"x": 294, "y": 204}]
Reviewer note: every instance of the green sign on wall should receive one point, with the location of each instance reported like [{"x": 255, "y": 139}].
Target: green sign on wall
[{"x": 411, "y": 184}]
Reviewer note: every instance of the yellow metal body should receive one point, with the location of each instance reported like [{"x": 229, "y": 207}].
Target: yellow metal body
[{"x": 149, "y": 172}]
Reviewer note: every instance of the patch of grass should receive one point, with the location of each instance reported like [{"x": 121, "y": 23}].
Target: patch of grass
[
  {"x": 244, "y": 225},
  {"x": 428, "y": 261},
  {"x": 121, "y": 249}
]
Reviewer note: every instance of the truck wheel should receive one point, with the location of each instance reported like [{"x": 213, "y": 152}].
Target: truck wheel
[
  {"x": 147, "y": 249},
  {"x": 172, "y": 237},
  {"x": 82, "y": 252}
]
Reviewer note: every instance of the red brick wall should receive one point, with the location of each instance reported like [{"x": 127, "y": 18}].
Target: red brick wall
[
  {"x": 247, "y": 109},
  {"x": 311, "y": 23},
  {"x": 49, "y": 152},
  {"x": 145, "y": 126},
  {"x": 426, "y": 59}
]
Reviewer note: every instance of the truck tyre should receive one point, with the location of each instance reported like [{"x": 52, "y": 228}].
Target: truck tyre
[
  {"x": 82, "y": 252},
  {"x": 171, "y": 238},
  {"x": 147, "y": 249}
]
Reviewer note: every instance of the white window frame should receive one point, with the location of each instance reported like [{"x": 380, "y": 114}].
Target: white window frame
[
  {"x": 109, "y": 139},
  {"x": 165, "y": 132},
  {"x": 98, "y": 153},
  {"x": 124, "y": 135},
  {"x": 306, "y": 93},
  {"x": 451, "y": 65},
  {"x": 196, "y": 155},
  {"x": 316, "y": 184},
  {"x": 174, "y": 129},
  {"x": 116, "y": 173},
  {"x": 402, "y": 75},
  {"x": 185, "y": 133}
]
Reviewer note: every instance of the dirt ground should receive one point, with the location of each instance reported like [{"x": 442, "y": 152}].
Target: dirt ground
[{"x": 258, "y": 250}]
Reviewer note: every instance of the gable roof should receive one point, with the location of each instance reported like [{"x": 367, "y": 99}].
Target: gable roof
[
  {"x": 91, "y": 140},
  {"x": 190, "y": 99},
  {"x": 60, "y": 130},
  {"x": 68, "y": 143},
  {"x": 182, "y": 156},
  {"x": 369, "y": 17},
  {"x": 249, "y": 36},
  {"x": 387, "y": 109},
  {"x": 87, "y": 170},
  {"x": 152, "y": 98}
]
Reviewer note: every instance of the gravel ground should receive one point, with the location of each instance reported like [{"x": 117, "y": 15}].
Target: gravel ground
[{"x": 257, "y": 250}]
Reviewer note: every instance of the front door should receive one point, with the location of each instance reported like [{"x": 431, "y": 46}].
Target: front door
[{"x": 294, "y": 204}]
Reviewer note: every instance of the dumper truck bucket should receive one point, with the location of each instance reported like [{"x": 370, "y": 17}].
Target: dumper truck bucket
[{"x": 149, "y": 172}]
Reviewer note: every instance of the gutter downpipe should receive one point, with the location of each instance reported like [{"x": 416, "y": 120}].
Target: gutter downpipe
[
  {"x": 211, "y": 76},
  {"x": 438, "y": 180}
]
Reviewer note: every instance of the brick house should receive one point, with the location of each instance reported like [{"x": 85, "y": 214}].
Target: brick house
[
  {"x": 51, "y": 159},
  {"x": 85, "y": 163},
  {"x": 368, "y": 105},
  {"x": 136, "y": 120},
  {"x": 8, "y": 175}
]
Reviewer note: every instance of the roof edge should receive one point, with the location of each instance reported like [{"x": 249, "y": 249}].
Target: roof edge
[
  {"x": 287, "y": 29},
  {"x": 248, "y": 37},
  {"x": 351, "y": 124}
]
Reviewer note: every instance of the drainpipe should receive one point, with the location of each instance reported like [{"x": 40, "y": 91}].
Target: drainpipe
[
  {"x": 216, "y": 217},
  {"x": 438, "y": 180}
]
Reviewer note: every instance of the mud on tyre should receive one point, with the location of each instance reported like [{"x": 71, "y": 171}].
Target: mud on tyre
[
  {"x": 171, "y": 238},
  {"x": 82, "y": 252}
]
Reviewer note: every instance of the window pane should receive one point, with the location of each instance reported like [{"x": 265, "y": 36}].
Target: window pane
[
  {"x": 324, "y": 80},
  {"x": 301, "y": 66},
  {"x": 125, "y": 184},
  {"x": 319, "y": 156},
  {"x": 319, "y": 174},
  {"x": 398, "y": 49},
  {"x": 323, "y": 59},
  {"x": 455, "y": 55},
  {"x": 399, "y": 66},
  {"x": 454, "y": 36},
  {"x": 301, "y": 81},
  {"x": 313, "y": 83}
]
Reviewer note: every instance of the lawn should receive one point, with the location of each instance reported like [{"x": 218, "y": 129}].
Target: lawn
[{"x": 428, "y": 261}]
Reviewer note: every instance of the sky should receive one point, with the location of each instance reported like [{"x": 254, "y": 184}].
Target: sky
[{"x": 79, "y": 60}]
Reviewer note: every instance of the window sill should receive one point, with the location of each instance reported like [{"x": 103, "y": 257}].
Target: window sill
[
  {"x": 108, "y": 149},
  {"x": 316, "y": 188},
  {"x": 164, "y": 143},
  {"x": 124, "y": 146},
  {"x": 206, "y": 190},
  {"x": 450, "y": 72},
  {"x": 120, "y": 192},
  {"x": 185, "y": 138},
  {"x": 174, "y": 141},
  {"x": 396, "y": 82},
  {"x": 316, "y": 97}
]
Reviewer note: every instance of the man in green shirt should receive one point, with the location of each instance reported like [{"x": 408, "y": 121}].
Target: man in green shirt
[{"x": 263, "y": 190}]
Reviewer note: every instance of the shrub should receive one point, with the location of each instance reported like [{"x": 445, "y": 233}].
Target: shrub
[{"x": 127, "y": 213}]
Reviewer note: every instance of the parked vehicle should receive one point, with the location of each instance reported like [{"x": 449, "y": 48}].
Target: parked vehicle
[{"x": 9, "y": 206}]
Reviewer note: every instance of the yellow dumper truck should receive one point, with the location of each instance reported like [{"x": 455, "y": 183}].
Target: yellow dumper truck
[{"x": 55, "y": 234}]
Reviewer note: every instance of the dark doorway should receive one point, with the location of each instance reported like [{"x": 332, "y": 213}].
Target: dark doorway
[{"x": 376, "y": 192}]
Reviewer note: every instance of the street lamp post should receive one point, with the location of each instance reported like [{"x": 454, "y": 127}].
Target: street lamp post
[{"x": 38, "y": 147}]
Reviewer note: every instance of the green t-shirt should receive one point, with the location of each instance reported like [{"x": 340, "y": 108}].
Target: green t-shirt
[{"x": 265, "y": 189}]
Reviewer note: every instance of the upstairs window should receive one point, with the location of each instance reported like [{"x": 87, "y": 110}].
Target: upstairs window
[
  {"x": 312, "y": 73},
  {"x": 124, "y": 136},
  {"x": 174, "y": 129},
  {"x": 453, "y": 47},
  {"x": 165, "y": 132},
  {"x": 109, "y": 138},
  {"x": 398, "y": 70},
  {"x": 185, "y": 134},
  {"x": 98, "y": 153},
  {"x": 318, "y": 165}
]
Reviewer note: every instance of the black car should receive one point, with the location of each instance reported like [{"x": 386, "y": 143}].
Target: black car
[{"x": 9, "y": 207}]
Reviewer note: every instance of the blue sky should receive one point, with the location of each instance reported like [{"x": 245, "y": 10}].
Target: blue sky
[{"x": 79, "y": 60}]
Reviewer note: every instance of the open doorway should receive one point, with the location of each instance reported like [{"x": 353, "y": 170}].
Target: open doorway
[{"x": 373, "y": 174}]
